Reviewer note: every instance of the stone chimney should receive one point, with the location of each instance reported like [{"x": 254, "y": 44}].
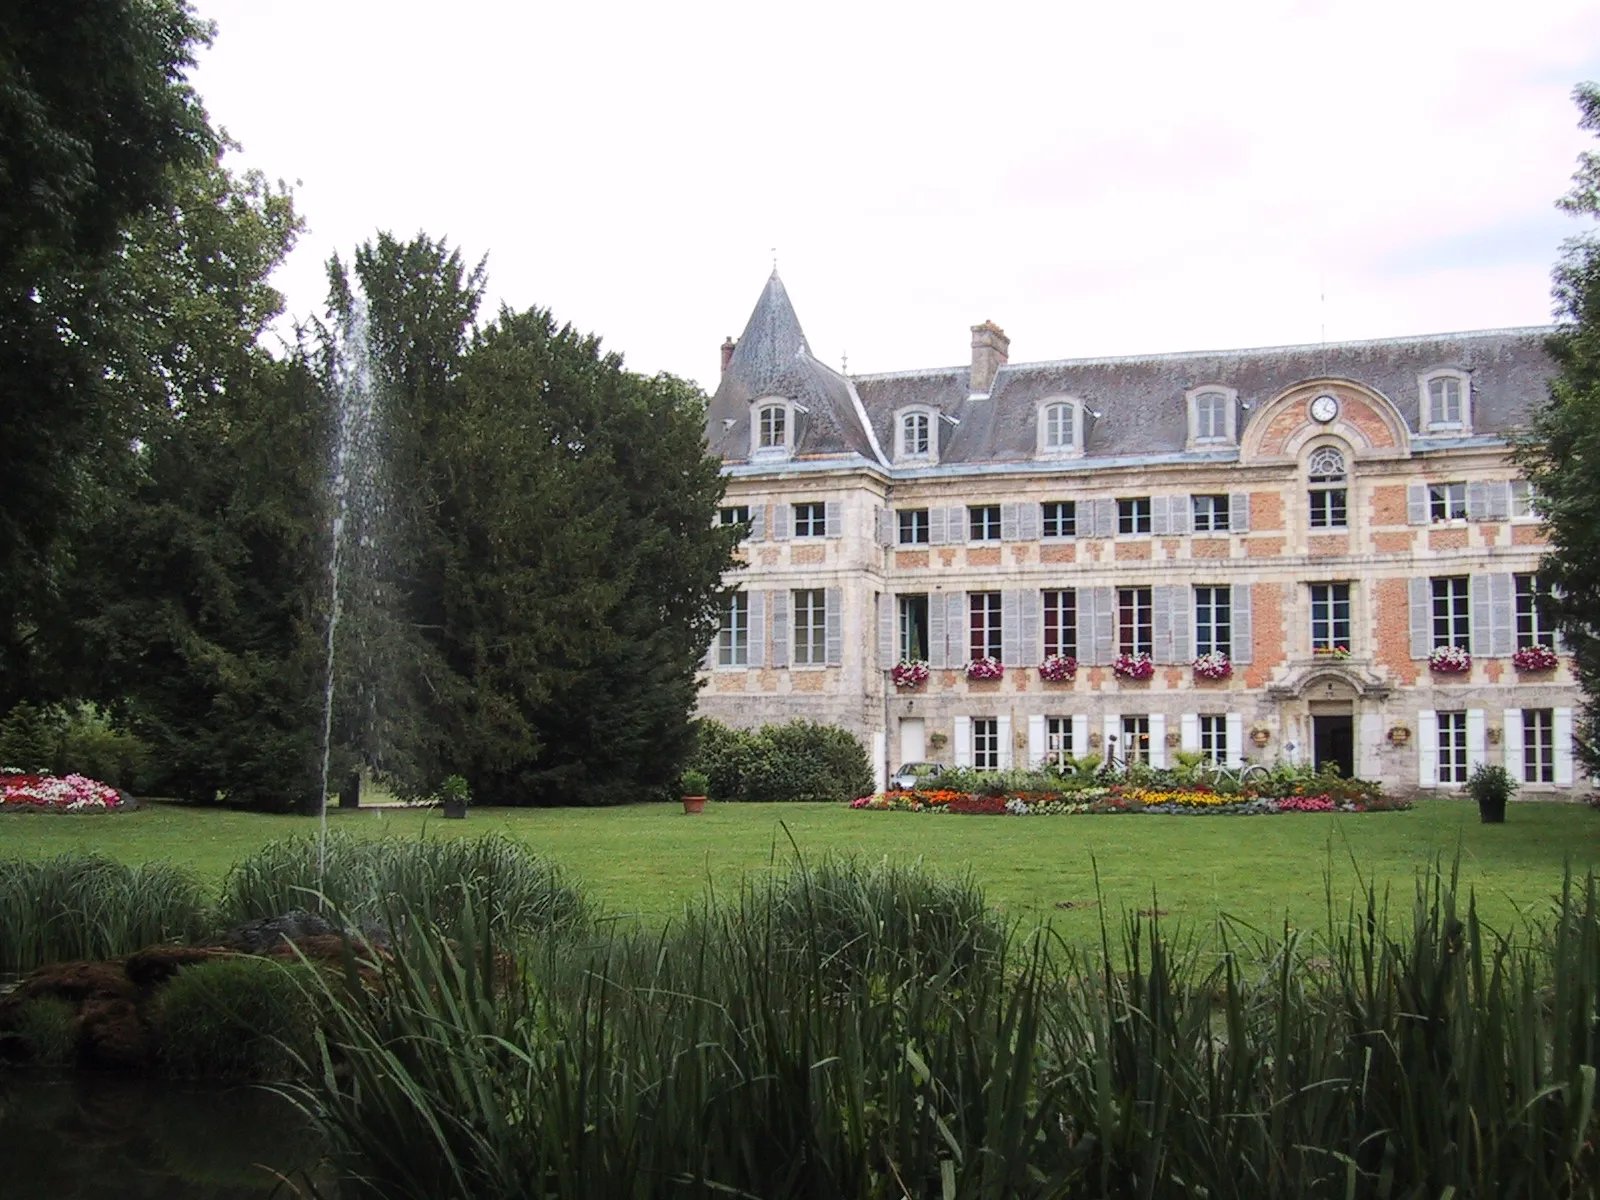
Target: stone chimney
[
  {"x": 728, "y": 347},
  {"x": 990, "y": 347}
]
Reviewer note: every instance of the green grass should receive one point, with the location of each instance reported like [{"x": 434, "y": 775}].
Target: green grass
[{"x": 651, "y": 860}]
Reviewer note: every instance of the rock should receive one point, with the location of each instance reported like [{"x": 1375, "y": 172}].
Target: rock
[
  {"x": 112, "y": 1033},
  {"x": 267, "y": 933},
  {"x": 157, "y": 964}
]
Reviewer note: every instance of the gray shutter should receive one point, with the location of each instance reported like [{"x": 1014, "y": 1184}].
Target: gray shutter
[
  {"x": 1180, "y": 510},
  {"x": 1105, "y": 518},
  {"x": 781, "y": 514},
  {"x": 886, "y": 523},
  {"x": 959, "y": 521},
  {"x": 957, "y": 642},
  {"x": 1239, "y": 512},
  {"x": 1243, "y": 632},
  {"x": 936, "y": 636},
  {"x": 1417, "y": 504},
  {"x": 1008, "y": 523},
  {"x": 833, "y": 519},
  {"x": 937, "y": 536},
  {"x": 1028, "y": 522},
  {"x": 1182, "y": 623},
  {"x": 1499, "y": 501},
  {"x": 1477, "y": 501},
  {"x": 1160, "y": 521},
  {"x": 1028, "y": 637},
  {"x": 1161, "y": 623},
  {"x": 886, "y": 647},
  {"x": 780, "y": 628},
  {"x": 833, "y": 625},
  {"x": 1101, "y": 638},
  {"x": 1421, "y": 617},
  {"x": 1502, "y": 615},
  {"x": 1011, "y": 628},
  {"x": 758, "y": 522},
  {"x": 1481, "y": 629},
  {"x": 758, "y": 629}
]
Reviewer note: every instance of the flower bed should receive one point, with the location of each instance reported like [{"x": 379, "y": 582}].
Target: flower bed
[
  {"x": 57, "y": 793},
  {"x": 1123, "y": 798},
  {"x": 1535, "y": 658}
]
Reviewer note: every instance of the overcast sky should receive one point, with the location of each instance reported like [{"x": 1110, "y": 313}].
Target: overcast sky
[{"x": 1097, "y": 178}]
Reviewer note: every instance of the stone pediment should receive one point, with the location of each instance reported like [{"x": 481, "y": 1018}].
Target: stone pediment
[{"x": 1329, "y": 679}]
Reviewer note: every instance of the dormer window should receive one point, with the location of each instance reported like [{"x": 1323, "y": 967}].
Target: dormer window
[
  {"x": 916, "y": 435},
  {"x": 1212, "y": 416},
  {"x": 772, "y": 429},
  {"x": 1446, "y": 398},
  {"x": 1060, "y": 428}
]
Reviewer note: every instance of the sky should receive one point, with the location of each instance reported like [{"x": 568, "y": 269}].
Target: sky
[{"x": 1097, "y": 178}]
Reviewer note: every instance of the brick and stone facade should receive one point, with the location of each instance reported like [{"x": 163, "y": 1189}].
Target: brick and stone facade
[{"x": 1324, "y": 515}]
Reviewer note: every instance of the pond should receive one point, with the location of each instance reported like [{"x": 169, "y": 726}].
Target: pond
[{"x": 88, "y": 1136}]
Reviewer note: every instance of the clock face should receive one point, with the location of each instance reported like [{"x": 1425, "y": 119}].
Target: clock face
[{"x": 1324, "y": 409}]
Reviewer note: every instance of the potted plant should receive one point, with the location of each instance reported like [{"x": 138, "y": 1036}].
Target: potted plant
[
  {"x": 1535, "y": 658},
  {"x": 1058, "y": 668},
  {"x": 1491, "y": 786},
  {"x": 454, "y": 796},
  {"x": 985, "y": 668},
  {"x": 693, "y": 785},
  {"x": 1133, "y": 666},
  {"x": 909, "y": 673},
  {"x": 1449, "y": 660},
  {"x": 1215, "y": 666}
]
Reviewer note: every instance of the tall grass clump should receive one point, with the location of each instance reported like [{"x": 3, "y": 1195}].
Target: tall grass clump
[
  {"x": 239, "y": 1018},
  {"x": 434, "y": 879},
  {"x": 90, "y": 906}
]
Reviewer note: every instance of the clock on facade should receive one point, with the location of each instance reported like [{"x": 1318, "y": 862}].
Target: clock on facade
[{"x": 1324, "y": 409}]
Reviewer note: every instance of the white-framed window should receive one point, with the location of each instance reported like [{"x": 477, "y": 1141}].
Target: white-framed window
[
  {"x": 772, "y": 429},
  {"x": 1059, "y": 518},
  {"x": 1327, "y": 488},
  {"x": 1213, "y": 620},
  {"x": 1214, "y": 738},
  {"x": 1060, "y": 432},
  {"x": 810, "y": 627},
  {"x": 1522, "y": 500},
  {"x": 1061, "y": 623},
  {"x": 1058, "y": 427},
  {"x": 1135, "y": 739},
  {"x": 811, "y": 519},
  {"x": 733, "y": 635},
  {"x": 1133, "y": 514},
  {"x": 1447, "y": 501},
  {"x": 1330, "y": 617},
  {"x": 983, "y": 523},
  {"x": 733, "y": 514},
  {"x": 1452, "y": 747},
  {"x": 1057, "y": 740},
  {"x": 1451, "y": 612},
  {"x": 986, "y": 743},
  {"x": 1134, "y": 632},
  {"x": 1210, "y": 513},
  {"x": 1445, "y": 397},
  {"x": 916, "y": 435},
  {"x": 1538, "y": 745},
  {"x": 1534, "y": 626},
  {"x": 914, "y": 529},
  {"x": 1212, "y": 419},
  {"x": 913, "y": 628},
  {"x": 985, "y": 639}
]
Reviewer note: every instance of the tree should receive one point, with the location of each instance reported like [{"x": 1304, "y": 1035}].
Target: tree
[{"x": 1561, "y": 456}]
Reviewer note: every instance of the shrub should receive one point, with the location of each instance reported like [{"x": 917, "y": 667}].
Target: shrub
[
  {"x": 799, "y": 760},
  {"x": 79, "y": 739},
  {"x": 238, "y": 1018}
]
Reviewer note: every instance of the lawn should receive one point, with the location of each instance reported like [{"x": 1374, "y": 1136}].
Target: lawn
[{"x": 650, "y": 860}]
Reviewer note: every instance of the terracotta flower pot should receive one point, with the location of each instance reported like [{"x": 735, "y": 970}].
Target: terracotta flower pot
[{"x": 694, "y": 804}]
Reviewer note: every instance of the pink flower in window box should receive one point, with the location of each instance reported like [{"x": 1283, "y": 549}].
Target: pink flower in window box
[
  {"x": 1213, "y": 666},
  {"x": 909, "y": 674},
  {"x": 1535, "y": 658},
  {"x": 1058, "y": 668},
  {"x": 1449, "y": 660},
  {"x": 1133, "y": 666},
  {"x": 985, "y": 668}
]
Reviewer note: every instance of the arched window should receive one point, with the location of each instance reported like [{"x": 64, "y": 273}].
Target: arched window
[
  {"x": 1058, "y": 427},
  {"x": 915, "y": 435},
  {"x": 1327, "y": 490},
  {"x": 774, "y": 422},
  {"x": 1210, "y": 417},
  {"x": 1446, "y": 402}
]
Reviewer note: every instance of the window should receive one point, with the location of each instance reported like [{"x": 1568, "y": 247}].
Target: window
[
  {"x": 1538, "y": 745},
  {"x": 1061, "y": 623},
  {"x": 810, "y": 612},
  {"x": 1058, "y": 427},
  {"x": 1452, "y": 747},
  {"x": 1133, "y": 621},
  {"x": 1210, "y": 514},
  {"x": 811, "y": 520},
  {"x": 1444, "y": 401},
  {"x": 734, "y": 514},
  {"x": 1133, "y": 515},
  {"x": 1447, "y": 501},
  {"x": 733, "y": 636},
  {"x": 913, "y": 629},
  {"x": 1522, "y": 499},
  {"x": 1450, "y": 613},
  {"x": 773, "y": 425},
  {"x": 1534, "y": 628},
  {"x": 1330, "y": 617},
  {"x": 1211, "y": 417},
  {"x": 984, "y": 523},
  {"x": 1325, "y": 473},
  {"x": 1135, "y": 740},
  {"x": 1213, "y": 620},
  {"x": 1060, "y": 518},
  {"x": 916, "y": 440},
  {"x": 986, "y": 743},
  {"x": 1214, "y": 738},
  {"x": 913, "y": 526},
  {"x": 1057, "y": 740},
  {"x": 985, "y": 627}
]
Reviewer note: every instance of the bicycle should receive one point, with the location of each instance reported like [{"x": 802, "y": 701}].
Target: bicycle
[{"x": 1242, "y": 776}]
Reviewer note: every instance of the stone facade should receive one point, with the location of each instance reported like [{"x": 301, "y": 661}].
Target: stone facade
[{"x": 1325, "y": 516}]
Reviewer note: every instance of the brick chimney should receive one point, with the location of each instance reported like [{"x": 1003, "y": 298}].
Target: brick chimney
[
  {"x": 728, "y": 347},
  {"x": 990, "y": 347}
]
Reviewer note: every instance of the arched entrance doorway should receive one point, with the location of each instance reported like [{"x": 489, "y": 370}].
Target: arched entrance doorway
[{"x": 1332, "y": 704}]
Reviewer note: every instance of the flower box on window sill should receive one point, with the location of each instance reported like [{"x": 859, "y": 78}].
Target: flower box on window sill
[
  {"x": 1334, "y": 652},
  {"x": 1057, "y": 668},
  {"x": 982, "y": 669},
  {"x": 1136, "y": 667},
  {"x": 908, "y": 675},
  {"x": 1449, "y": 660},
  {"x": 1215, "y": 667},
  {"x": 1535, "y": 658}
]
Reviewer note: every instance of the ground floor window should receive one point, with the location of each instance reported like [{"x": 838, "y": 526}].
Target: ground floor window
[
  {"x": 986, "y": 743},
  {"x": 1136, "y": 740},
  {"x": 1214, "y": 738},
  {"x": 1057, "y": 739},
  {"x": 1452, "y": 747},
  {"x": 733, "y": 637},
  {"x": 1538, "y": 745}
]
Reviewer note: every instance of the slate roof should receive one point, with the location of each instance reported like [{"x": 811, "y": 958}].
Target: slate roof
[{"x": 1140, "y": 399}]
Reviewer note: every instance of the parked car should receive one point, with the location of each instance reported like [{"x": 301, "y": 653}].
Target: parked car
[{"x": 915, "y": 774}]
